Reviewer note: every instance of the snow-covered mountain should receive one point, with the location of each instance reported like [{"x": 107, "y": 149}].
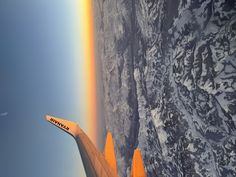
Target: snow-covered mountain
[{"x": 168, "y": 76}]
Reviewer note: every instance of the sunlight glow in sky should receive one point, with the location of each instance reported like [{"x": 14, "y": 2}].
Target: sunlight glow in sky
[
  {"x": 86, "y": 40},
  {"x": 47, "y": 66}
]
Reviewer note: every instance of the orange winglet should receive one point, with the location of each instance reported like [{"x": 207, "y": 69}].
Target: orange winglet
[
  {"x": 137, "y": 169},
  {"x": 68, "y": 126},
  {"x": 109, "y": 152}
]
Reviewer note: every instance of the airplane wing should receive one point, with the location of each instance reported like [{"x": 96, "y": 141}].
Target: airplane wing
[{"x": 94, "y": 162}]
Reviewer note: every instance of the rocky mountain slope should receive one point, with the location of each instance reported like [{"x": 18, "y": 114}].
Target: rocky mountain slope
[{"x": 168, "y": 76}]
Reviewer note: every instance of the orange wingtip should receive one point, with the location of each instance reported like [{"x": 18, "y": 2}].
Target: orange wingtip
[
  {"x": 137, "y": 169},
  {"x": 68, "y": 126},
  {"x": 109, "y": 152}
]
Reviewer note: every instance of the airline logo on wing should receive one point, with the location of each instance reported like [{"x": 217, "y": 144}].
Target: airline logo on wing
[
  {"x": 67, "y": 126},
  {"x": 58, "y": 124}
]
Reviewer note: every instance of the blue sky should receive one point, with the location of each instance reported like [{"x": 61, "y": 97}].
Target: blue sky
[{"x": 38, "y": 76}]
